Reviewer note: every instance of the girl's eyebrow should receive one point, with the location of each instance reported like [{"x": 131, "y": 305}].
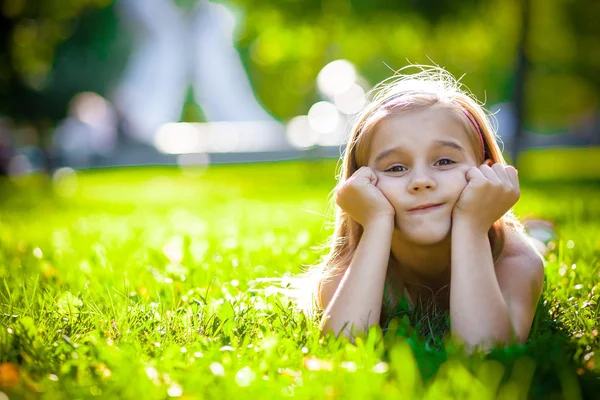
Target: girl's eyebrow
[
  {"x": 448, "y": 143},
  {"x": 436, "y": 144}
]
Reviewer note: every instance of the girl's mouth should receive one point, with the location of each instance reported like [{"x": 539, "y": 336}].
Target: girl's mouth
[{"x": 424, "y": 209}]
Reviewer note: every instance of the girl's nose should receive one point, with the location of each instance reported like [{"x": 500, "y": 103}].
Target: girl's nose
[{"x": 420, "y": 182}]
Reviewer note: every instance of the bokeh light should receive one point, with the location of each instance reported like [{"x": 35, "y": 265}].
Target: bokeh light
[
  {"x": 300, "y": 134},
  {"x": 323, "y": 117},
  {"x": 19, "y": 165},
  {"x": 90, "y": 108},
  {"x": 178, "y": 138},
  {"x": 64, "y": 181},
  {"x": 336, "y": 77},
  {"x": 352, "y": 100}
]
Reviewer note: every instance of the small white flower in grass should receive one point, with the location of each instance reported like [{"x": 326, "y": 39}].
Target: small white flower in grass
[
  {"x": 217, "y": 369},
  {"x": 227, "y": 348},
  {"x": 578, "y": 286},
  {"x": 152, "y": 373},
  {"x": 168, "y": 280},
  {"x": 304, "y": 350},
  {"x": 183, "y": 350},
  {"x": 37, "y": 253},
  {"x": 315, "y": 364},
  {"x": 173, "y": 249},
  {"x": 235, "y": 283},
  {"x": 175, "y": 390},
  {"x": 349, "y": 366},
  {"x": 570, "y": 244},
  {"x": 9, "y": 330},
  {"x": 53, "y": 377},
  {"x": 198, "y": 354},
  {"x": 380, "y": 368},
  {"x": 245, "y": 376}
]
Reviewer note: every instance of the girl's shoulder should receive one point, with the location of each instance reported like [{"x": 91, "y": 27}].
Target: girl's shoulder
[{"x": 517, "y": 244}]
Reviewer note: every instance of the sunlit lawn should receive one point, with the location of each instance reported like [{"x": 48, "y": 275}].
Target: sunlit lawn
[{"x": 139, "y": 283}]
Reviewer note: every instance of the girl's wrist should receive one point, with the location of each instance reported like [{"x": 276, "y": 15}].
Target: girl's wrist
[
  {"x": 380, "y": 222},
  {"x": 471, "y": 224}
]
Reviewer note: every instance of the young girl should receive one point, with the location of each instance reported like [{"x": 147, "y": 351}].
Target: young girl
[{"x": 424, "y": 199}]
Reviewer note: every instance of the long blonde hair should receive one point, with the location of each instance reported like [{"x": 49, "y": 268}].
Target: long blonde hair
[{"x": 403, "y": 92}]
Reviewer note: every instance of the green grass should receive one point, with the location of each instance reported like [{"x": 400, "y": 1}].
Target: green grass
[{"x": 142, "y": 285}]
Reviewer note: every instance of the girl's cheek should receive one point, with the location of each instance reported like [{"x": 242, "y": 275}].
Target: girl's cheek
[
  {"x": 385, "y": 182},
  {"x": 461, "y": 174}
]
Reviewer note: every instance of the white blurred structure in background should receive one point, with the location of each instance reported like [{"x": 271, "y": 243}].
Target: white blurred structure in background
[{"x": 176, "y": 50}]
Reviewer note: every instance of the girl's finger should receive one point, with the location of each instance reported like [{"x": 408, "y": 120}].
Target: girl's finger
[
  {"x": 513, "y": 175},
  {"x": 500, "y": 171},
  {"x": 366, "y": 173},
  {"x": 474, "y": 173},
  {"x": 489, "y": 174}
]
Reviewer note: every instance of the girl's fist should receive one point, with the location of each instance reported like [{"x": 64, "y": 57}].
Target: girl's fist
[
  {"x": 360, "y": 198},
  {"x": 490, "y": 192}
]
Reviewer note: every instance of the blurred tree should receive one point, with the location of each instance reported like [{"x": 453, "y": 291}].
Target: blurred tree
[
  {"x": 52, "y": 49},
  {"x": 49, "y": 51},
  {"x": 289, "y": 41}
]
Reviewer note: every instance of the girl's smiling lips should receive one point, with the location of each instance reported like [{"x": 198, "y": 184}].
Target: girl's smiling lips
[{"x": 425, "y": 208}]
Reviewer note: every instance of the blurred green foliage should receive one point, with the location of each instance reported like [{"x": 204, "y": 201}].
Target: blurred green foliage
[
  {"x": 560, "y": 164},
  {"x": 53, "y": 49},
  {"x": 37, "y": 28},
  {"x": 50, "y": 50},
  {"x": 291, "y": 41}
]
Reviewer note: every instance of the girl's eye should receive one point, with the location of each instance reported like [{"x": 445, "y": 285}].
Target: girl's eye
[
  {"x": 396, "y": 168},
  {"x": 445, "y": 161}
]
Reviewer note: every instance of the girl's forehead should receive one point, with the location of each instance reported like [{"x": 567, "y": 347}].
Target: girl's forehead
[{"x": 418, "y": 128}]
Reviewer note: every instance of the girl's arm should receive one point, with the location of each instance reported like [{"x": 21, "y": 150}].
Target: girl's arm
[
  {"x": 356, "y": 304},
  {"x": 490, "y": 304},
  {"x": 478, "y": 313},
  {"x": 487, "y": 304}
]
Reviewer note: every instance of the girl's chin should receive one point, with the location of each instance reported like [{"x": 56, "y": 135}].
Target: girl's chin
[{"x": 424, "y": 237}]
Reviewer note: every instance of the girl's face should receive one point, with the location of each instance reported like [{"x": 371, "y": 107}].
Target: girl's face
[{"x": 421, "y": 157}]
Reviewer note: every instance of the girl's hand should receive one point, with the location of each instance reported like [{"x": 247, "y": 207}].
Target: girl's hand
[
  {"x": 489, "y": 194},
  {"x": 360, "y": 198}
]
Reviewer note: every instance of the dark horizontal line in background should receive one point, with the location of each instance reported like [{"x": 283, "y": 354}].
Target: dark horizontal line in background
[{"x": 147, "y": 156}]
